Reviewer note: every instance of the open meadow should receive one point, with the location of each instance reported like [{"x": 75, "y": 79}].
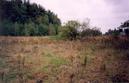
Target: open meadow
[
  {"x": 47, "y": 60},
  {"x": 64, "y": 41}
]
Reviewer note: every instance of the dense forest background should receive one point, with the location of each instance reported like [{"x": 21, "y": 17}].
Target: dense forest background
[{"x": 22, "y": 18}]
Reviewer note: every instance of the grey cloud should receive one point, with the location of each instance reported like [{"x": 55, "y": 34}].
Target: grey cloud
[
  {"x": 120, "y": 6},
  {"x": 103, "y": 13}
]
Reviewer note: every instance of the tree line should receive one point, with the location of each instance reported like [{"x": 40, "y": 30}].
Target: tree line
[
  {"x": 123, "y": 28},
  {"x": 22, "y": 18}
]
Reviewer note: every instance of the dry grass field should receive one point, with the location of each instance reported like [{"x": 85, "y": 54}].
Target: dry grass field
[{"x": 47, "y": 60}]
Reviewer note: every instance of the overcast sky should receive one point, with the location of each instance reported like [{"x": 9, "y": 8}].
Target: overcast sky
[{"x": 102, "y": 13}]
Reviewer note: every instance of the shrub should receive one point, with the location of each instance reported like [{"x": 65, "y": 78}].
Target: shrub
[
  {"x": 74, "y": 30},
  {"x": 90, "y": 32},
  {"x": 69, "y": 30}
]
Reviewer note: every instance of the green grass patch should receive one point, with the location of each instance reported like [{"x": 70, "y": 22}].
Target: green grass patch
[
  {"x": 2, "y": 63},
  {"x": 55, "y": 60},
  {"x": 58, "y": 61},
  {"x": 56, "y": 37}
]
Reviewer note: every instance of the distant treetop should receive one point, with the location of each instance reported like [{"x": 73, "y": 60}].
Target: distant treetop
[{"x": 21, "y": 18}]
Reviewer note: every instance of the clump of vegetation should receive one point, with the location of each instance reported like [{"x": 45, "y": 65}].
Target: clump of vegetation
[
  {"x": 69, "y": 30},
  {"x": 75, "y": 30},
  {"x": 114, "y": 32},
  {"x": 91, "y": 32}
]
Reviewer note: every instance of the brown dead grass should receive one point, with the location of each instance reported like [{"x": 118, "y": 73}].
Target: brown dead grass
[{"x": 98, "y": 59}]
